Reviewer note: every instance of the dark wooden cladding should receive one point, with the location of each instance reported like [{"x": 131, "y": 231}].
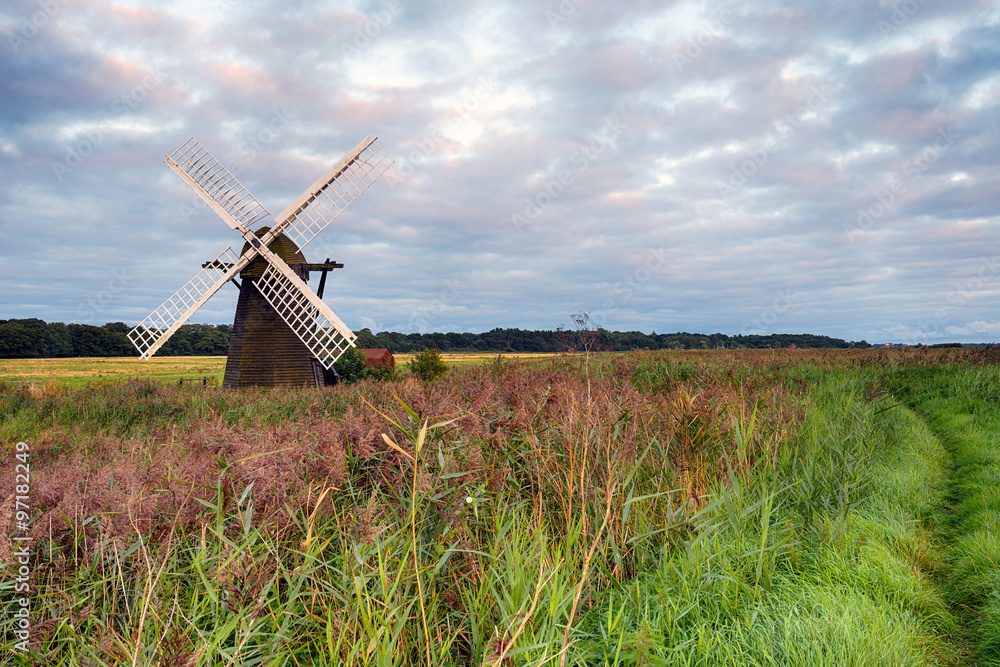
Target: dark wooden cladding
[{"x": 263, "y": 349}]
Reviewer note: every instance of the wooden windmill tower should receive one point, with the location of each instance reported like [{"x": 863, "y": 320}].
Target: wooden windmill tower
[{"x": 283, "y": 333}]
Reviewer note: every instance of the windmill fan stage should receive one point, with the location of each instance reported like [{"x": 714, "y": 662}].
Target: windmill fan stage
[{"x": 283, "y": 333}]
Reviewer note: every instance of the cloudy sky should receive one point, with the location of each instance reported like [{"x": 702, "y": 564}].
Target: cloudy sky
[{"x": 734, "y": 166}]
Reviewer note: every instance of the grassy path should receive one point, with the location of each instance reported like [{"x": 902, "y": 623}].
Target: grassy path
[
  {"x": 962, "y": 409},
  {"x": 829, "y": 559}
]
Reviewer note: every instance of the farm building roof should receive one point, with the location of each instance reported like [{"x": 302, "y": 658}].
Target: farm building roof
[{"x": 379, "y": 357}]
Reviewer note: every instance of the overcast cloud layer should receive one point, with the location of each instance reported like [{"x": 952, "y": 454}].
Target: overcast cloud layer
[{"x": 744, "y": 166}]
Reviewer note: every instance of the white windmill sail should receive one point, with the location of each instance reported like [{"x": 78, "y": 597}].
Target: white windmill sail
[
  {"x": 216, "y": 186},
  {"x": 334, "y": 191},
  {"x": 305, "y": 313},
  {"x": 159, "y": 325}
]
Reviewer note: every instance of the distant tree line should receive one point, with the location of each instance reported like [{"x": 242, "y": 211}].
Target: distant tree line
[
  {"x": 20, "y": 339},
  {"x": 520, "y": 340},
  {"x": 34, "y": 338}
]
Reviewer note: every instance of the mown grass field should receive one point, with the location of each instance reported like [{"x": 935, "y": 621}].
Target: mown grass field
[
  {"x": 79, "y": 371},
  {"x": 75, "y": 372},
  {"x": 697, "y": 508}
]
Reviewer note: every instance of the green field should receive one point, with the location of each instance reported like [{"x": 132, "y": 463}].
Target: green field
[
  {"x": 78, "y": 371},
  {"x": 74, "y": 372},
  {"x": 647, "y": 508}
]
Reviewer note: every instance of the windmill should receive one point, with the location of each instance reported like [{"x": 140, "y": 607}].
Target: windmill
[{"x": 283, "y": 333}]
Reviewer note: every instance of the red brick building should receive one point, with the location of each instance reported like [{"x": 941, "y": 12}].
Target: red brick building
[{"x": 379, "y": 358}]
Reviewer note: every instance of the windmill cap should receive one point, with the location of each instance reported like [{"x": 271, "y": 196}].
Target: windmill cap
[{"x": 282, "y": 246}]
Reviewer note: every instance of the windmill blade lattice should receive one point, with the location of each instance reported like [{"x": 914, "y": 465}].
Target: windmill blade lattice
[
  {"x": 159, "y": 325},
  {"x": 284, "y": 292},
  {"x": 322, "y": 202},
  {"x": 305, "y": 313},
  {"x": 216, "y": 183}
]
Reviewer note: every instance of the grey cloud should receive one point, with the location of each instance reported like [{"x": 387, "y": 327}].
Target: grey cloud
[{"x": 466, "y": 164}]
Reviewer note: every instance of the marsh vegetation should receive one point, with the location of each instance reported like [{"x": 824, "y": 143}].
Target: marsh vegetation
[{"x": 689, "y": 508}]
